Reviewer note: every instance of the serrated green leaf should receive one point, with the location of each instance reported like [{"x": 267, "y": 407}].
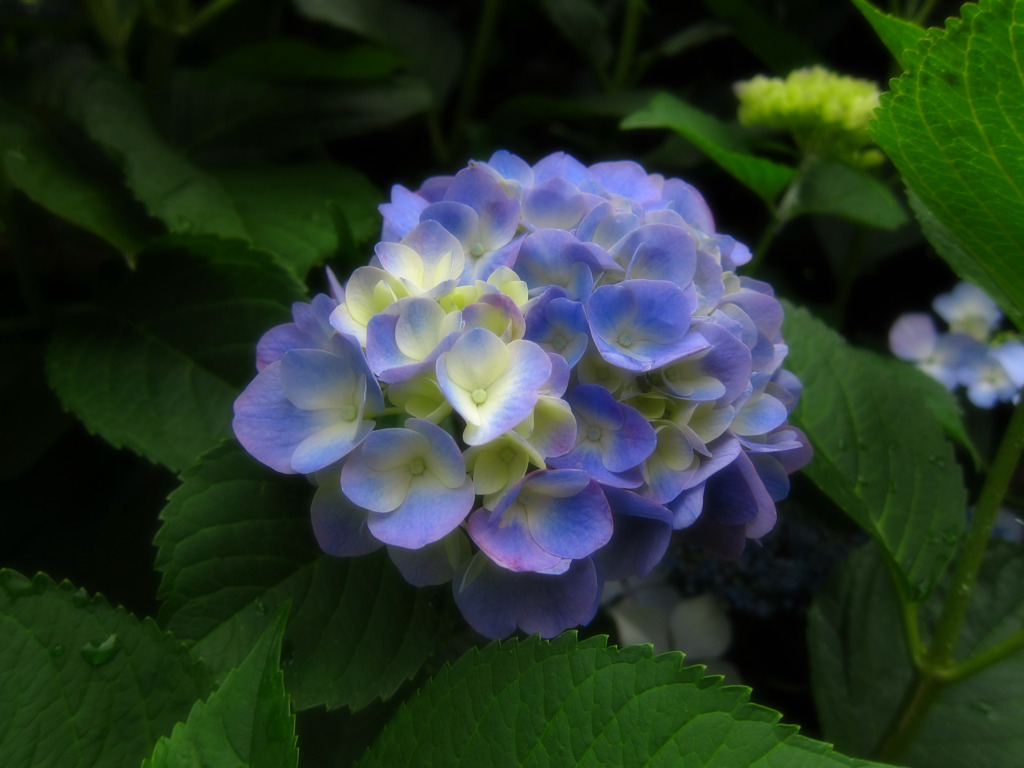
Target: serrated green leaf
[
  {"x": 898, "y": 35},
  {"x": 718, "y": 141},
  {"x": 879, "y": 451},
  {"x": 303, "y": 214},
  {"x": 569, "y": 703},
  {"x": 173, "y": 189},
  {"x": 236, "y": 542},
  {"x": 429, "y": 43},
  {"x": 958, "y": 142},
  {"x": 156, "y": 366},
  {"x": 83, "y": 684},
  {"x": 35, "y": 163},
  {"x": 834, "y": 188},
  {"x": 861, "y": 667},
  {"x": 292, "y": 59},
  {"x": 246, "y": 722}
]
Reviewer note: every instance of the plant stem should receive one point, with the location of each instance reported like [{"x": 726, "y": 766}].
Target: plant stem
[
  {"x": 987, "y": 658},
  {"x": 937, "y": 668},
  {"x": 919, "y": 698},
  {"x": 208, "y": 14},
  {"x": 627, "y": 43},
  {"x": 965, "y": 571}
]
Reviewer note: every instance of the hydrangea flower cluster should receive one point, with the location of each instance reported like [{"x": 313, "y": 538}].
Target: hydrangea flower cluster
[
  {"x": 542, "y": 374},
  {"x": 971, "y": 354},
  {"x": 827, "y": 113}
]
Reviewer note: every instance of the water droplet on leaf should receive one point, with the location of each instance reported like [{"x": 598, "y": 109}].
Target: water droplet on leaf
[
  {"x": 99, "y": 652},
  {"x": 261, "y": 609},
  {"x": 57, "y": 650}
]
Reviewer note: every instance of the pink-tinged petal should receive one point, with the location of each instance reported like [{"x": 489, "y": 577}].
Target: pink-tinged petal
[
  {"x": 505, "y": 537},
  {"x": 338, "y": 524},
  {"x": 430, "y": 512}
]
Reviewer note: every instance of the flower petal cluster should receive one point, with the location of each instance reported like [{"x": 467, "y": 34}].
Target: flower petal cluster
[
  {"x": 544, "y": 373},
  {"x": 971, "y": 354}
]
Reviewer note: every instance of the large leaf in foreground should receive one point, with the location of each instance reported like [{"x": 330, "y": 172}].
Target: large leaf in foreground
[
  {"x": 861, "y": 667},
  {"x": 155, "y": 366},
  {"x": 83, "y": 684},
  {"x": 246, "y": 722},
  {"x": 569, "y": 703},
  {"x": 37, "y": 164},
  {"x": 879, "y": 450},
  {"x": 954, "y": 127},
  {"x": 722, "y": 144},
  {"x": 236, "y": 542},
  {"x": 176, "y": 191}
]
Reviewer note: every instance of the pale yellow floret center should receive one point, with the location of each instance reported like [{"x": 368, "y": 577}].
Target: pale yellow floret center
[
  {"x": 479, "y": 395},
  {"x": 417, "y": 467}
]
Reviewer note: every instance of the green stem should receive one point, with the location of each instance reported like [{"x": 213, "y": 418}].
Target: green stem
[
  {"x": 965, "y": 572},
  {"x": 627, "y": 43},
  {"x": 919, "y": 698},
  {"x": 987, "y": 658},
  {"x": 923, "y": 12},
  {"x": 475, "y": 68}
]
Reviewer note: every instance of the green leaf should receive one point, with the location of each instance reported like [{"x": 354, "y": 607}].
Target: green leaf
[
  {"x": 898, "y": 35},
  {"x": 156, "y": 366},
  {"x": 36, "y": 163},
  {"x": 879, "y": 452},
  {"x": 585, "y": 27},
  {"x": 773, "y": 44},
  {"x": 834, "y": 188},
  {"x": 83, "y": 684},
  {"x": 718, "y": 141},
  {"x": 302, "y": 213},
  {"x": 236, "y": 542},
  {"x": 570, "y": 703},
  {"x": 240, "y": 120},
  {"x": 183, "y": 196},
  {"x": 290, "y": 59},
  {"x": 246, "y": 723},
  {"x": 430, "y": 44},
  {"x": 958, "y": 142},
  {"x": 861, "y": 667}
]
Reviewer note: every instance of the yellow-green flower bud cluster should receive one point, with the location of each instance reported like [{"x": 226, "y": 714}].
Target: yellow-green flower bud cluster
[{"x": 827, "y": 113}]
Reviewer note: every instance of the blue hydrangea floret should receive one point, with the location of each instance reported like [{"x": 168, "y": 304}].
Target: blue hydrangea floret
[{"x": 543, "y": 374}]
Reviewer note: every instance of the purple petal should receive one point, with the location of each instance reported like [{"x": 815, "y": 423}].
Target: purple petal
[
  {"x": 642, "y": 533},
  {"x": 339, "y": 525},
  {"x": 494, "y": 601}
]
